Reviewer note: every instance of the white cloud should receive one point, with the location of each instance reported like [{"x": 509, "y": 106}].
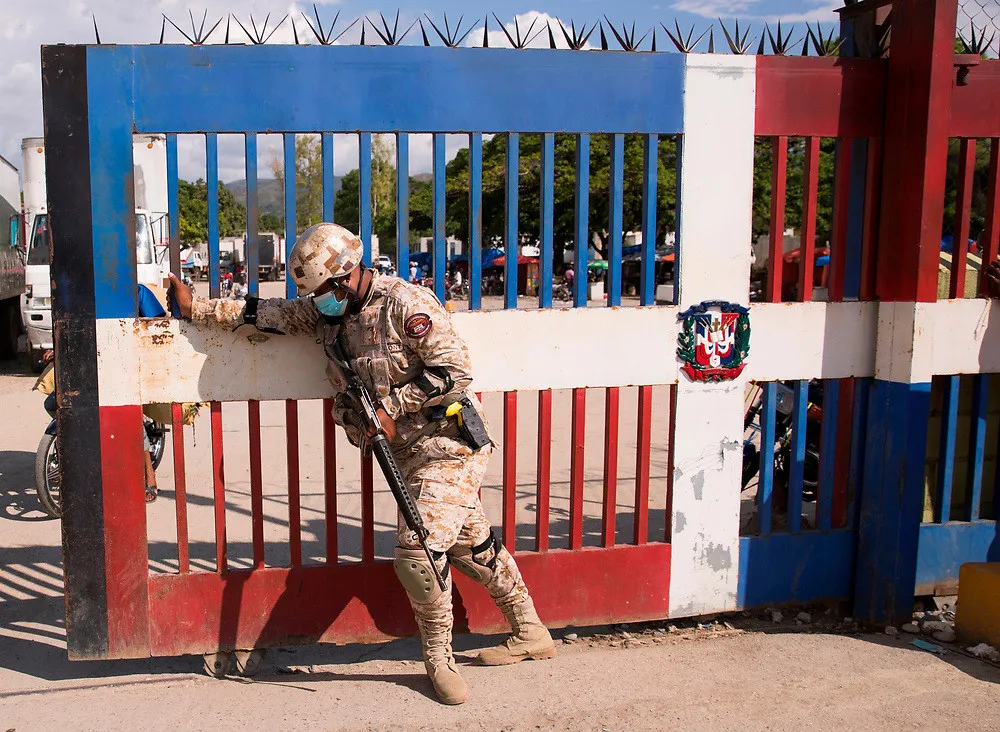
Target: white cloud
[{"x": 818, "y": 10}]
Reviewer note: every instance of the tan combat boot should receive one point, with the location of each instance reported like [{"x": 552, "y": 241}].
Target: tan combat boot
[
  {"x": 529, "y": 639},
  {"x": 449, "y": 686}
]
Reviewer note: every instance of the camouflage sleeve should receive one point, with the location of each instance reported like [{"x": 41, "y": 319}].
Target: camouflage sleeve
[
  {"x": 290, "y": 317},
  {"x": 425, "y": 327}
]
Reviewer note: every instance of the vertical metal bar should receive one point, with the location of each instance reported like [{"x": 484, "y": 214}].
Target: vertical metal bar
[
  {"x": 180, "y": 488},
  {"x": 765, "y": 482},
  {"x": 367, "y": 509},
  {"x": 616, "y": 194},
  {"x": 678, "y": 173},
  {"x": 291, "y": 210},
  {"x": 510, "y": 470},
  {"x": 963, "y": 210},
  {"x": 440, "y": 258},
  {"x": 810, "y": 198},
  {"x": 610, "y": 502},
  {"x": 643, "y": 444},
  {"x": 212, "y": 186},
  {"x": 475, "y": 221},
  {"x": 647, "y": 265},
  {"x": 218, "y": 488},
  {"x": 511, "y": 239},
  {"x": 329, "y": 178},
  {"x": 842, "y": 456},
  {"x": 330, "y": 481},
  {"x": 256, "y": 484},
  {"x": 547, "y": 174},
  {"x": 576, "y": 466},
  {"x": 365, "y": 194},
  {"x": 173, "y": 207},
  {"x": 859, "y": 430},
  {"x": 841, "y": 220},
  {"x": 991, "y": 229},
  {"x": 668, "y": 530},
  {"x": 403, "y": 205},
  {"x": 796, "y": 471},
  {"x": 294, "y": 496},
  {"x": 253, "y": 212},
  {"x": 581, "y": 238},
  {"x": 776, "y": 249},
  {"x": 544, "y": 469},
  {"x": 827, "y": 455},
  {"x": 946, "y": 455},
  {"x": 977, "y": 442},
  {"x": 869, "y": 248}
]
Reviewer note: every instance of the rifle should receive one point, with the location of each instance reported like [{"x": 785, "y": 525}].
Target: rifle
[{"x": 364, "y": 407}]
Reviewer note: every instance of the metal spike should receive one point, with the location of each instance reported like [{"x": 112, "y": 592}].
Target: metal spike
[
  {"x": 423, "y": 32},
  {"x": 186, "y": 36},
  {"x": 507, "y": 33},
  {"x": 363, "y": 24},
  {"x": 711, "y": 40},
  {"x": 228, "y": 19},
  {"x": 204, "y": 17},
  {"x": 275, "y": 30},
  {"x": 340, "y": 35},
  {"x": 552, "y": 38},
  {"x": 604, "y": 39},
  {"x": 295, "y": 32},
  {"x": 96, "y": 32},
  {"x": 653, "y": 49},
  {"x": 486, "y": 32},
  {"x": 163, "y": 29},
  {"x": 760, "y": 48}
]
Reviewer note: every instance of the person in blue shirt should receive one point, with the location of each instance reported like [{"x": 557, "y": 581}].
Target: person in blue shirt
[{"x": 149, "y": 307}]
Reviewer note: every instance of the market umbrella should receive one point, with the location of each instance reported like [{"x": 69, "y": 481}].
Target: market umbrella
[{"x": 598, "y": 264}]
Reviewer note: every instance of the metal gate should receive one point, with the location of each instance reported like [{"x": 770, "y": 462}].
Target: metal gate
[{"x": 710, "y": 109}]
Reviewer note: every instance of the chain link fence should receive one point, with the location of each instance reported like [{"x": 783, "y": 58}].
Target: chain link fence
[{"x": 979, "y": 25}]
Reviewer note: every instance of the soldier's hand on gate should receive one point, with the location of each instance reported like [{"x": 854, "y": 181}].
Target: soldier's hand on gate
[
  {"x": 180, "y": 294},
  {"x": 993, "y": 278}
]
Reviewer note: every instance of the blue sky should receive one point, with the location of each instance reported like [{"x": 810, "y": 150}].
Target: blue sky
[{"x": 138, "y": 21}]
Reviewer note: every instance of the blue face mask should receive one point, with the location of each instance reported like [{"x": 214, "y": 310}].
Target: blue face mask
[{"x": 330, "y": 306}]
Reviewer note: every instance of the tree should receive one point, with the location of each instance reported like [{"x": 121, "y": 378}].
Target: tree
[
  {"x": 272, "y": 223},
  {"x": 192, "y": 201},
  {"x": 308, "y": 180}
]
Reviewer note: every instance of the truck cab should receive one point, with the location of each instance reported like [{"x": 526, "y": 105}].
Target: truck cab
[{"x": 36, "y": 305}]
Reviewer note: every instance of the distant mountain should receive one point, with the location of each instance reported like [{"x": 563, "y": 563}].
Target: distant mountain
[{"x": 270, "y": 194}]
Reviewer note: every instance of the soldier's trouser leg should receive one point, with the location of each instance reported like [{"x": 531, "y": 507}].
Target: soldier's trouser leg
[
  {"x": 440, "y": 484},
  {"x": 479, "y": 554}
]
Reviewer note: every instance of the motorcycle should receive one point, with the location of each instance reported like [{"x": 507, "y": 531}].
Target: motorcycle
[
  {"x": 48, "y": 479},
  {"x": 783, "y": 419}
]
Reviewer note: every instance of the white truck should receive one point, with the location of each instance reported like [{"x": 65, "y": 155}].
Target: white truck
[
  {"x": 11, "y": 260},
  {"x": 151, "y": 231}
]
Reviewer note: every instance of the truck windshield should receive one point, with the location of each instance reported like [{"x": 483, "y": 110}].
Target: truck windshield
[{"x": 38, "y": 253}]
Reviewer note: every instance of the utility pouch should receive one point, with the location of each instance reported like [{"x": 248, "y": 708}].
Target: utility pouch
[{"x": 471, "y": 427}]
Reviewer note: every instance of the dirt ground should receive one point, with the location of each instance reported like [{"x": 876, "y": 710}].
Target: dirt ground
[{"x": 739, "y": 673}]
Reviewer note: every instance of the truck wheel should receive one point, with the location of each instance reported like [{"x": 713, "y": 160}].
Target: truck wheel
[{"x": 10, "y": 330}]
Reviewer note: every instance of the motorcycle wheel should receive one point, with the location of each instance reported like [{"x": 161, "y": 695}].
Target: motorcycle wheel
[
  {"x": 48, "y": 481},
  {"x": 157, "y": 442}
]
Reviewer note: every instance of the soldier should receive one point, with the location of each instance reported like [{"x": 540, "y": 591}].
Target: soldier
[{"x": 401, "y": 342}]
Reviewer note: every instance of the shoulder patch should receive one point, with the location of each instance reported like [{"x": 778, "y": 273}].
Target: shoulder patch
[{"x": 417, "y": 326}]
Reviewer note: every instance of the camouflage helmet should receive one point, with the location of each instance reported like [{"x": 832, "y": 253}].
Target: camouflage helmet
[{"x": 321, "y": 252}]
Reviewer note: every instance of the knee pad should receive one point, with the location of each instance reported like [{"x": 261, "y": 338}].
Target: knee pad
[
  {"x": 417, "y": 576},
  {"x": 478, "y": 562}
]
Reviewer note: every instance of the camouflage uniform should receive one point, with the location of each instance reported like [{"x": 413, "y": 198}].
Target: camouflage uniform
[{"x": 403, "y": 346}]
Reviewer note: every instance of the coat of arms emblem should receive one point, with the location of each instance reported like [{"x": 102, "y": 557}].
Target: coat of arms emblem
[{"x": 714, "y": 340}]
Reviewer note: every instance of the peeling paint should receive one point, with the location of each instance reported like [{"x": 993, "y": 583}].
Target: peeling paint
[
  {"x": 698, "y": 484},
  {"x": 679, "y": 523},
  {"x": 717, "y": 556}
]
